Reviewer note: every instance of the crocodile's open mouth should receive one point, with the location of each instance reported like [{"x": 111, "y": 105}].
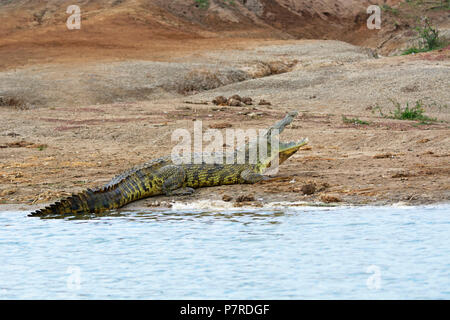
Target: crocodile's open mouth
[{"x": 285, "y": 151}]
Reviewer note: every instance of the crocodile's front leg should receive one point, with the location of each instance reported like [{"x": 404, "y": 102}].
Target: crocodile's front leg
[{"x": 173, "y": 178}]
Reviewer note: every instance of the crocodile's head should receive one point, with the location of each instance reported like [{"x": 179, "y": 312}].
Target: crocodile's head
[
  {"x": 276, "y": 151},
  {"x": 285, "y": 151}
]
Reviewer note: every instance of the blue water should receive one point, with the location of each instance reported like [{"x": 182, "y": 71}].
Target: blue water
[{"x": 292, "y": 253}]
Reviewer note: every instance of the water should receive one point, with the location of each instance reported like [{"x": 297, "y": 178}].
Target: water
[{"x": 291, "y": 253}]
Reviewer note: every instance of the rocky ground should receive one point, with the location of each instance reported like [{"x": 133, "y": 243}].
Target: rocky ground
[{"x": 70, "y": 122}]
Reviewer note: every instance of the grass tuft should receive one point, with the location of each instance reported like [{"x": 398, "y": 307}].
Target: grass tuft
[
  {"x": 429, "y": 39},
  {"x": 390, "y": 9},
  {"x": 354, "y": 121},
  {"x": 415, "y": 113},
  {"x": 203, "y": 4}
]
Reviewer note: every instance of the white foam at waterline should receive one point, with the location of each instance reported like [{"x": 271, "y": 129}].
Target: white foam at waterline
[
  {"x": 202, "y": 205},
  {"x": 221, "y": 205},
  {"x": 217, "y": 205},
  {"x": 401, "y": 205}
]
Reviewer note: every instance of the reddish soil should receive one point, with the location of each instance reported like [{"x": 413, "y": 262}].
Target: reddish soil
[{"x": 35, "y": 32}]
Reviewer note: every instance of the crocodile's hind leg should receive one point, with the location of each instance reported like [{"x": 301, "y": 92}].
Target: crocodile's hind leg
[
  {"x": 173, "y": 178},
  {"x": 252, "y": 177}
]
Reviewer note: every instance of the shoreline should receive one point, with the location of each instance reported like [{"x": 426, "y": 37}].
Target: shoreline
[{"x": 199, "y": 206}]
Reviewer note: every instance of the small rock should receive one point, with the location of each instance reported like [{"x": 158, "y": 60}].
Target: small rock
[
  {"x": 401, "y": 175},
  {"x": 220, "y": 125},
  {"x": 247, "y": 100},
  {"x": 234, "y": 102},
  {"x": 383, "y": 156},
  {"x": 308, "y": 189},
  {"x": 220, "y": 100},
  {"x": 245, "y": 198},
  {"x": 263, "y": 102},
  {"x": 410, "y": 88},
  {"x": 323, "y": 187},
  {"x": 227, "y": 198},
  {"x": 328, "y": 198},
  {"x": 236, "y": 97},
  {"x": 7, "y": 192}
]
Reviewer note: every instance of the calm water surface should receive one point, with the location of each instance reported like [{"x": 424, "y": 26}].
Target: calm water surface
[{"x": 291, "y": 253}]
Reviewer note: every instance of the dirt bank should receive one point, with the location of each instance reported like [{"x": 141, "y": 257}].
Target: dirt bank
[
  {"x": 46, "y": 153},
  {"x": 35, "y": 31}
]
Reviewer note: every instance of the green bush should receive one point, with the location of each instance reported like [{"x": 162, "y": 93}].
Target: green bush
[
  {"x": 410, "y": 113},
  {"x": 428, "y": 37}
]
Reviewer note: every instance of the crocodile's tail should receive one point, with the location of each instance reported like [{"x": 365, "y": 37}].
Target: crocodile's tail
[
  {"x": 123, "y": 189},
  {"x": 89, "y": 201}
]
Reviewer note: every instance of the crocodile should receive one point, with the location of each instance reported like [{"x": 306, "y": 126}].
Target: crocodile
[{"x": 164, "y": 177}]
